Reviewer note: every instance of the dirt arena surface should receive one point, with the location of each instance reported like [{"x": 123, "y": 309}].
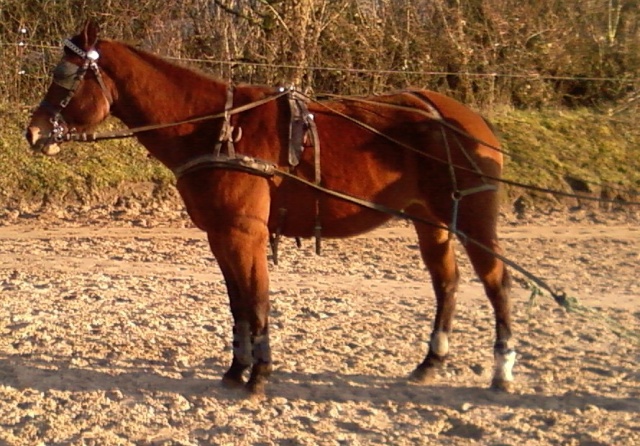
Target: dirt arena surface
[{"x": 115, "y": 330}]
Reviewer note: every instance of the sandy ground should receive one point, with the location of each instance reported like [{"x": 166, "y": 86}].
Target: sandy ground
[{"x": 114, "y": 330}]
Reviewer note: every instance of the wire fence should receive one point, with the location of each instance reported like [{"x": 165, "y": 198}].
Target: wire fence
[
  {"x": 232, "y": 63},
  {"x": 27, "y": 67}
]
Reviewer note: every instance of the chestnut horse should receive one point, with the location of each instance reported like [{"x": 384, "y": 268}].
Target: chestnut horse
[{"x": 418, "y": 152}]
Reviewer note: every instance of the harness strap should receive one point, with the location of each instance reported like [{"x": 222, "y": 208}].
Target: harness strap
[
  {"x": 247, "y": 164},
  {"x": 302, "y": 121},
  {"x": 226, "y": 131},
  {"x": 297, "y": 126},
  {"x": 458, "y": 194},
  {"x": 301, "y": 124},
  {"x": 475, "y": 190},
  {"x": 433, "y": 113},
  {"x": 103, "y": 86},
  {"x": 456, "y": 197}
]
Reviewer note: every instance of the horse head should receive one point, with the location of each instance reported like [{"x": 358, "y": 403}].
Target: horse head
[{"x": 79, "y": 98}]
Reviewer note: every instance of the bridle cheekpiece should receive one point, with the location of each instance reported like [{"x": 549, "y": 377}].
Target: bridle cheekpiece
[{"x": 69, "y": 76}]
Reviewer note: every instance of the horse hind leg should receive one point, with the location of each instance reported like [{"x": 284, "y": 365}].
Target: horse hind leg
[
  {"x": 438, "y": 255},
  {"x": 495, "y": 278}
]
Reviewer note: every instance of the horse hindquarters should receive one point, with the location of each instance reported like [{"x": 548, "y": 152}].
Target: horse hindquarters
[{"x": 464, "y": 201}]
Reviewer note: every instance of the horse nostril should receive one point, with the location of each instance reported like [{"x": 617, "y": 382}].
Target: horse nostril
[{"x": 32, "y": 134}]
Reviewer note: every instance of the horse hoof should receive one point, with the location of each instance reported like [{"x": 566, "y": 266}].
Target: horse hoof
[
  {"x": 423, "y": 375},
  {"x": 501, "y": 385},
  {"x": 230, "y": 382},
  {"x": 256, "y": 390}
]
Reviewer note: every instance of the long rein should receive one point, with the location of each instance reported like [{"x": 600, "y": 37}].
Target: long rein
[
  {"x": 129, "y": 133},
  {"x": 263, "y": 168}
]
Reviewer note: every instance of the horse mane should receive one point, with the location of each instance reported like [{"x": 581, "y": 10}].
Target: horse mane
[{"x": 165, "y": 66}]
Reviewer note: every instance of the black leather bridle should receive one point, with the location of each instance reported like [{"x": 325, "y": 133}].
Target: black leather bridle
[{"x": 70, "y": 76}]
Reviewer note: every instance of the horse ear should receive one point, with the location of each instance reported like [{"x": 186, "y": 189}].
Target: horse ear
[{"x": 89, "y": 34}]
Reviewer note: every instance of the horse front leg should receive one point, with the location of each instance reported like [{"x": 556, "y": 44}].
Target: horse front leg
[
  {"x": 242, "y": 356},
  {"x": 241, "y": 253}
]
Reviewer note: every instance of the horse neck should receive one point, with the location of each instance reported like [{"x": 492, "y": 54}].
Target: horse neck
[{"x": 151, "y": 90}]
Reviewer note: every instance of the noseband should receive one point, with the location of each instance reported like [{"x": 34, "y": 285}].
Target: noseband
[{"x": 69, "y": 76}]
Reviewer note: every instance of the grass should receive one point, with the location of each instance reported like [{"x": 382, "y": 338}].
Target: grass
[
  {"x": 78, "y": 173},
  {"x": 573, "y": 151},
  {"x": 548, "y": 149}
]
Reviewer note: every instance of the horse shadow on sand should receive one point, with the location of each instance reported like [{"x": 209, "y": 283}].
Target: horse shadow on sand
[{"x": 137, "y": 378}]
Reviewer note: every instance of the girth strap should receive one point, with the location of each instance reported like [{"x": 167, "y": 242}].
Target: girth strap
[{"x": 247, "y": 164}]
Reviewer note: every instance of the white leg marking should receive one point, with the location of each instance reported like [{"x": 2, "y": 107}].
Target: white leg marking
[
  {"x": 504, "y": 363},
  {"x": 439, "y": 343}
]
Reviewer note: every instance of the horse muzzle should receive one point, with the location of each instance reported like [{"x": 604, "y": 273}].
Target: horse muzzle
[{"x": 41, "y": 143}]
